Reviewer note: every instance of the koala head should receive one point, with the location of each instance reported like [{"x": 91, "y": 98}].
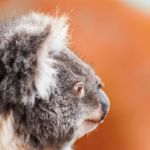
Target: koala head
[{"x": 52, "y": 96}]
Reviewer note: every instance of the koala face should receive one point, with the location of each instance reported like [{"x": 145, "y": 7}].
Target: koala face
[
  {"x": 54, "y": 97},
  {"x": 82, "y": 93}
]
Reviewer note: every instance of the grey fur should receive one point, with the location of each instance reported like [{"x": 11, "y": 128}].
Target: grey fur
[{"x": 44, "y": 123}]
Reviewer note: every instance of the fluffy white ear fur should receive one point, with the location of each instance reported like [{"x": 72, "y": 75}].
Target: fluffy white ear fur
[
  {"x": 37, "y": 22},
  {"x": 57, "y": 40}
]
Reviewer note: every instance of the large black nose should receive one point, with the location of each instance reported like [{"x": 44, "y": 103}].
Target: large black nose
[{"x": 104, "y": 101}]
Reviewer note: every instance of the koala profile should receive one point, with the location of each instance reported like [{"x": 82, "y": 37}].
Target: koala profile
[{"x": 49, "y": 97}]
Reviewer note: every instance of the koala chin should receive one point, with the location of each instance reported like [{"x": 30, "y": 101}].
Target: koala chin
[{"x": 49, "y": 97}]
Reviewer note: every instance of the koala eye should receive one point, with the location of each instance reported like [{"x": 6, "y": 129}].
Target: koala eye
[
  {"x": 100, "y": 85},
  {"x": 79, "y": 89}
]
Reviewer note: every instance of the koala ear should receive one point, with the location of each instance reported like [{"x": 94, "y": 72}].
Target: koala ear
[
  {"x": 35, "y": 23},
  {"x": 25, "y": 50},
  {"x": 52, "y": 34},
  {"x": 57, "y": 40}
]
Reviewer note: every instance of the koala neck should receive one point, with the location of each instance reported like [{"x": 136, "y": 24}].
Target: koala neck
[{"x": 9, "y": 139}]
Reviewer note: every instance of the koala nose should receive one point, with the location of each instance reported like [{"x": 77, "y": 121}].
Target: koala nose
[{"x": 104, "y": 101}]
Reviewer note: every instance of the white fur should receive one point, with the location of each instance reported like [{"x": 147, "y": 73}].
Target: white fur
[
  {"x": 67, "y": 146},
  {"x": 33, "y": 23},
  {"x": 8, "y": 139},
  {"x": 45, "y": 76},
  {"x": 6, "y": 134},
  {"x": 58, "y": 39},
  {"x": 36, "y": 23}
]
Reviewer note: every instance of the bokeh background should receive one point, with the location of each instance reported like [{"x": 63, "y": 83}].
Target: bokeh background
[{"x": 113, "y": 36}]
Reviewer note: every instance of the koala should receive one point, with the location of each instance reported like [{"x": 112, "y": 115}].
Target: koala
[{"x": 49, "y": 97}]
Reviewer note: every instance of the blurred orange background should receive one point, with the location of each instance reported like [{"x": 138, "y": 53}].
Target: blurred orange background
[{"x": 115, "y": 39}]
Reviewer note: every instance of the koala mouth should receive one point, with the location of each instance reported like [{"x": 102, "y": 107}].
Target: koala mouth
[
  {"x": 89, "y": 124},
  {"x": 93, "y": 121},
  {"x": 96, "y": 121}
]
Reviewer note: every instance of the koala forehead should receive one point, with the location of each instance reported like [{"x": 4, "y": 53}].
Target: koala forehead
[{"x": 71, "y": 68}]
